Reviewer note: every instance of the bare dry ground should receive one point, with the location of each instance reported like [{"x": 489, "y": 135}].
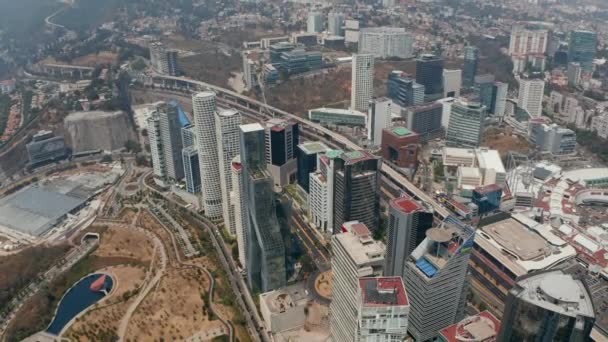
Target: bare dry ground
[{"x": 504, "y": 141}]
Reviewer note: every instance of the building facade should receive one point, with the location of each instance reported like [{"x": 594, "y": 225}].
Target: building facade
[
  {"x": 45, "y": 147},
  {"x": 282, "y": 139},
  {"x": 378, "y": 118},
  {"x": 408, "y": 221},
  {"x": 163, "y": 60},
  {"x": 452, "y": 81},
  {"x": 265, "y": 255},
  {"x": 355, "y": 255},
  {"x": 314, "y": 23},
  {"x": 384, "y": 42},
  {"x": 239, "y": 200},
  {"x": 435, "y": 276},
  {"x": 192, "y": 171},
  {"x": 471, "y": 61},
  {"x": 429, "y": 73},
  {"x": 530, "y": 97},
  {"x": 548, "y": 306},
  {"x": 466, "y": 124},
  {"x": 307, "y": 155},
  {"x": 227, "y": 122},
  {"x": 165, "y": 136},
  {"x": 404, "y": 90},
  {"x": 582, "y": 49},
  {"x": 425, "y": 120},
  {"x": 335, "y": 23},
  {"x": 400, "y": 147},
  {"x": 204, "y": 109},
  {"x": 383, "y": 309},
  {"x": 362, "y": 82}
]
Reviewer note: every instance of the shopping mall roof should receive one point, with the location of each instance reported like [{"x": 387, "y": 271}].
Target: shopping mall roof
[{"x": 34, "y": 209}]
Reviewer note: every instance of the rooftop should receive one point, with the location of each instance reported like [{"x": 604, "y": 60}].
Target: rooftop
[
  {"x": 522, "y": 245},
  {"x": 483, "y": 327},
  {"x": 339, "y": 111},
  {"x": 406, "y": 205},
  {"x": 251, "y": 127},
  {"x": 313, "y": 147},
  {"x": 401, "y": 131},
  {"x": 489, "y": 159},
  {"x": 487, "y": 188},
  {"x": 383, "y": 291},
  {"x": 359, "y": 244},
  {"x": 558, "y": 292},
  {"x": 353, "y": 157}
]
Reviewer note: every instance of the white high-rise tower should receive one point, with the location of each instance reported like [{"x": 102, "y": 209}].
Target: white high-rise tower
[
  {"x": 227, "y": 123},
  {"x": 530, "y": 97},
  {"x": 204, "y": 108},
  {"x": 238, "y": 199},
  {"x": 362, "y": 82}
]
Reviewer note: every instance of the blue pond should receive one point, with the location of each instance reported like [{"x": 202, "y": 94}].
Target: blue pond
[{"x": 77, "y": 299}]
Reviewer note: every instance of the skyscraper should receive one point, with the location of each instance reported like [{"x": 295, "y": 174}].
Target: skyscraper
[
  {"x": 315, "y": 22},
  {"x": 452, "y": 81},
  {"x": 484, "y": 89},
  {"x": 335, "y": 23},
  {"x": 471, "y": 60},
  {"x": 574, "y": 73},
  {"x": 435, "y": 276},
  {"x": 355, "y": 189},
  {"x": 204, "y": 107},
  {"x": 499, "y": 98},
  {"x": 384, "y": 297},
  {"x": 227, "y": 123},
  {"x": 362, "y": 83},
  {"x": 548, "y": 306},
  {"x": 166, "y": 142},
  {"x": 282, "y": 138},
  {"x": 383, "y": 42},
  {"x": 408, "y": 221},
  {"x": 403, "y": 90},
  {"x": 239, "y": 201},
  {"x": 355, "y": 255},
  {"x": 582, "y": 48},
  {"x": 466, "y": 124},
  {"x": 308, "y": 154},
  {"x": 429, "y": 73},
  {"x": 378, "y": 118},
  {"x": 265, "y": 255},
  {"x": 530, "y": 97},
  {"x": 192, "y": 171}
]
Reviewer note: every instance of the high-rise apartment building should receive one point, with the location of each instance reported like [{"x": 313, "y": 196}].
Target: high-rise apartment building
[
  {"x": 471, "y": 61},
  {"x": 384, "y": 42},
  {"x": 189, "y": 136},
  {"x": 314, "y": 23},
  {"x": 452, "y": 81},
  {"x": 250, "y": 77},
  {"x": 404, "y": 90},
  {"x": 599, "y": 124},
  {"x": 429, "y": 73},
  {"x": 164, "y": 133},
  {"x": 530, "y": 98},
  {"x": 548, "y": 306},
  {"x": 582, "y": 48},
  {"x": 282, "y": 138},
  {"x": 227, "y": 122},
  {"x": 435, "y": 278},
  {"x": 362, "y": 82},
  {"x": 355, "y": 255},
  {"x": 385, "y": 298},
  {"x": 466, "y": 124},
  {"x": 378, "y": 118},
  {"x": 164, "y": 61},
  {"x": 204, "y": 108},
  {"x": 265, "y": 255},
  {"x": 335, "y": 24},
  {"x": 528, "y": 45},
  {"x": 408, "y": 221},
  {"x": 307, "y": 155},
  {"x": 239, "y": 200},
  {"x": 425, "y": 119}
]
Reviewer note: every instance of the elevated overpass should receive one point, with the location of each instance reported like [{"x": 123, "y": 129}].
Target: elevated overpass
[{"x": 259, "y": 110}]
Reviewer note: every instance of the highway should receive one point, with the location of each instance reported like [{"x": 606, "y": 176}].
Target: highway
[{"x": 258, "y": 110}]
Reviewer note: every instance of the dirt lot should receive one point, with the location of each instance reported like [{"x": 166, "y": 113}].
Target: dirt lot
[
  {"x": 504, "y": 141},
  {"x": 170, "y": 314},
  {"x": 103, "y": 57},
  {"x": 126, "y": 243}
]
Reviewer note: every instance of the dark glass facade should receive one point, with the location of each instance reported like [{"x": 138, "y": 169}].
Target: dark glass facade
[
  {"x": 471, "y": 59},
  {"x": 429, "y": 73}
]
